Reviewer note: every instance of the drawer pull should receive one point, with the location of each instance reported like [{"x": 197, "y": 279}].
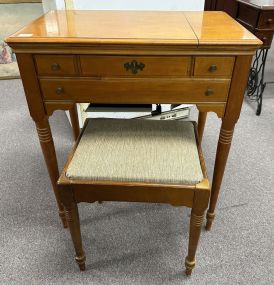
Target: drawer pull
[
  {"x": 209, "y": 92},
  {"x": 55, "y": 67},
  {"x": 264, "y": 39},
  {"x": 134, "y": 66},
  {"x": 269, "y": 21},
  {"x": 212, "y": 68},
  {"x": 59, "y": 90}
]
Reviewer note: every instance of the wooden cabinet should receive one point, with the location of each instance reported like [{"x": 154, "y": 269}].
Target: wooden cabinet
[
  {"x": 229, "y": 6},
  {"x": 135, "y": 57}
]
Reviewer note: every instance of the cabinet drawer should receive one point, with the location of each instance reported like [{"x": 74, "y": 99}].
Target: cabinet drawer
[
  {"x": 136, "y": 66},
  {"x": 56, "y": 64},
  {"x": 213, "y": 66},
  {"x": 266, "y": 20},
  {"x": 266, "y": 37},
  {"x": 129, "y": 90}
]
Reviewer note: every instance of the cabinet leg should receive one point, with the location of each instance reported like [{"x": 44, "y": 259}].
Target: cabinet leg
[
  {"x": 48, "y": 149},
  {"x": 72, "y": 216},
  {"x": 201, "y": 124},
  {"x": 74, "y": 121},
  {"x": 223, "y": 148}
]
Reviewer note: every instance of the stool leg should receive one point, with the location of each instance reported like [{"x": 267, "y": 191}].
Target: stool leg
[
  {"x": 72, "y": 216},
  {"x": 201, "y": 124},
  {"x": 196, "y": 221},
  {"x": 200, "y": 202},
  {"x": 74, "y": 121}
]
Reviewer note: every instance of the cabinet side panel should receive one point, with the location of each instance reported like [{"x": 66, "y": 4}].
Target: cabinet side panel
[{"x": 31, "y": 86}]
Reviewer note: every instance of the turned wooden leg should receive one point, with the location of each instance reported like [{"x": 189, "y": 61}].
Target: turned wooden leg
[
  {"x": 196, "y": 221},
  {"x": 72, "y": 216},
  {"x": 200, "y": 203},
  {"x": 201, "y": 124},
  {"x": 74, "y": 121},
  {"x": 47, "y": 145},
  {"x": 223, "y": 148}
]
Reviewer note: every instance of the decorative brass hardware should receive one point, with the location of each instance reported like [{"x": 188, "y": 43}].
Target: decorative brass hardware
[
  {"x": 212, "y": 68},
  {"x": 209, "y": 92},
  {"x": 134, "y": 66},
  {"x": 59, "y": 90},
  {"x": 55, "y": 67}
]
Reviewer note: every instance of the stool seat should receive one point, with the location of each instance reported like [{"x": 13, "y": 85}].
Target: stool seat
[{"x": 137, "y": 150}]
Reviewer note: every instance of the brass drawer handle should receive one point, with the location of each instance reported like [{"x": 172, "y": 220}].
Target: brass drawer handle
[
  {"x": 134, "y": 66},
  {"x": 209, "y": 92},
  {"x": 59, "y": 90},
  {"x": 55, "y": 67},
  {"x": 212, "y": 68}
]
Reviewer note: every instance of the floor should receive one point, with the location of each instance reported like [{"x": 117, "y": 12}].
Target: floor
[{"x": 134, "y": 243}]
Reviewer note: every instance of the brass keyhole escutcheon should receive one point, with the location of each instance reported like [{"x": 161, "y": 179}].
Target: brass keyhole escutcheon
[
  {"x": 134, "y": 66},
  {"x": 55, "y": 67},
  {"x": 212, "y": 68},
  {"x": 209, "y": 92},
  {"x": 59, "y": 90}
]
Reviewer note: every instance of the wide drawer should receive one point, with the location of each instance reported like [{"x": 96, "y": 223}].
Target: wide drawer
[
  {"x": 56, "y": 64},
  {"x": 129, "y": 90},
  {"x": 213, "y": 66},
  {"x": 135, "y": 66}
]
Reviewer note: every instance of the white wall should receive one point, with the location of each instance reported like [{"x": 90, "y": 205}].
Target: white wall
[
  {"x": 51, "y": 5},
  {"x": 187, "y": 5}
]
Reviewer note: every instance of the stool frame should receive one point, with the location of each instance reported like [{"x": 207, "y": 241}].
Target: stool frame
[{"x": 76, "y": 191}]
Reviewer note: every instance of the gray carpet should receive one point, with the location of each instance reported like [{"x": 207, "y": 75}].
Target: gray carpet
[{"x": 134, "y": 243}]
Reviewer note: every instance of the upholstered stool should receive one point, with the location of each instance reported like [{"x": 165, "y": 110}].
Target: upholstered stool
[{"x": 139, "y": 161}]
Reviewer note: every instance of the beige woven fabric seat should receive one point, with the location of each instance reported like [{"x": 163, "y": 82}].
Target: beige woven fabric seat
[{"x": 137, "y": 151}]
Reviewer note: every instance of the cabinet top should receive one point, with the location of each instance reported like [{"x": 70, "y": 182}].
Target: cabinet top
[
  {"x": 134, "y": 27},
  {"x": 261, "y": 4}
]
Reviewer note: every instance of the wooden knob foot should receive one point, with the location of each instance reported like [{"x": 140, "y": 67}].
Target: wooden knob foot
[
  {"x": 81, "y": 262},
  {"x": 189, "y": 266},
  {"x": 209, "y": 220}
]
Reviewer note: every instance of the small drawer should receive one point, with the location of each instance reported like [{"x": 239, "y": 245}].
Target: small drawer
[
  {"x": 213, "y": 66},
  {"x": 266, "y": 20},
  {"x": 266, "y": 37},
  {"x": 56, "y": 64},
  {"x": 136, "y": 91},
  {"x": 135, "y": 66}
]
